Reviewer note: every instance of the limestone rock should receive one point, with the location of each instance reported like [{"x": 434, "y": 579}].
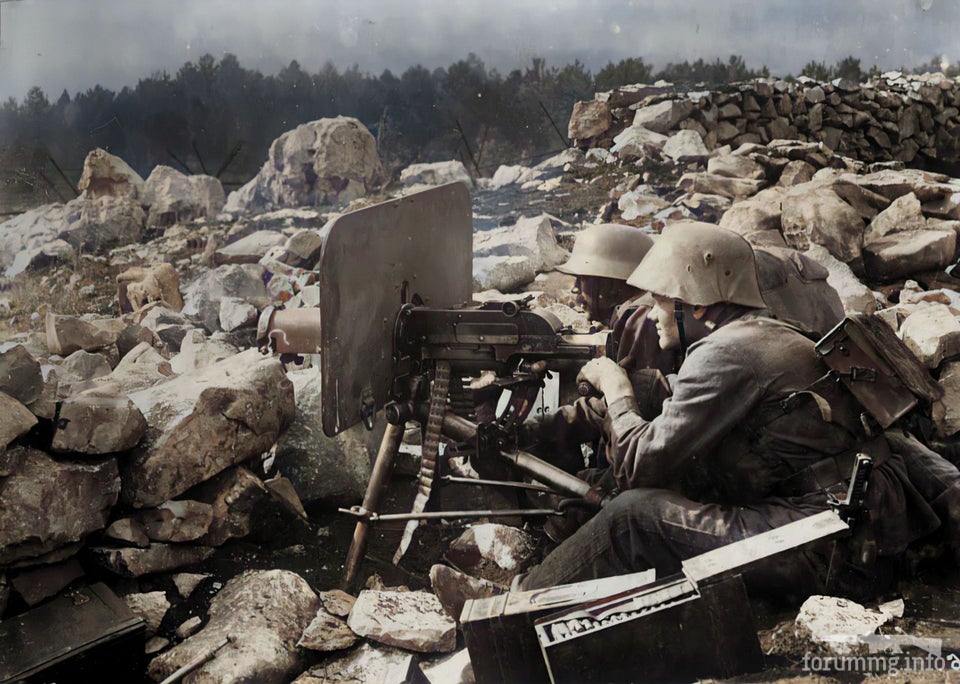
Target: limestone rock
[
  {"x": 365, "y": 664},
  {"x": 132, "y": 562},
  {"x": 237, "y": 281},
  {"x": 186, "y": 582},
  {"x": 302, "y": 249},
  {"x": 796, "y": 172},
  {"x": 95, "y": 225},
  {"x": 855, "y": 296},
  {"x": 188, "y": 627},
  {"x": 81, "y": 366},
  {"x": 28, "y": 232},
  {"x": 320, "y": 163},
  {"x": 505, "y": 273},
  {"x": 96, "y": 423},
  {"x": 533, "y": 237},
  {"x": 903, "y": 215},
  {"x": 685, "y": 146},
  {"x": 152, "y": 606},
  {"x": 637, "y": 142},
  {"x": 15, "y": 420},
  {"x": 67, "y": 334},
  {"x": 176, "y": 521},
  {"x": 142, "y": 367},
  {"x": 493, "y": 552},
  {"x": 337, "y": 602},
  {"x": 327, "y": 633},
  {"x": 129, "y": 531},
  {"x": 48, "y": 504},
  {"x": 755, "y": 216},
  {"x": 249, "y": 249},
  {"x": 589, "y": 119},
  {"x": 174, "y": 197},
  {"x": 197, "y": 351},
  {"x": 20, "y": 375},
  {"x": 814, "y": 214},
  {"x": 454, "y": 588},
  {"x": 154, "y": 645},
  {"x": 712, "y": 184},
  {"x": 235, "y": 314},
  {"x": 264, "y": 612},
  {"x": 106, "y": 175},
  {"x": 334, "y": 470},
  {"x": 200, "y": 424},
  {"x": 903, "y": 254},
  {"x": 639, "y": 203},
  {"x": 436, "y": 173},
  {"x": 53, "y": 253},
  {"x": 838, "y": 622},
  {"x": 413, "y": 620},
  {"x": 453, "y": 669},
  {"x": 663, "y": 116},
  {"x": 139, "y": 286},
  {"x": 931, "y": 332},
  {"x": 233, "y": 496},
  {"x": 946, "y": 411},
  {"x": 735, "y": 166}
]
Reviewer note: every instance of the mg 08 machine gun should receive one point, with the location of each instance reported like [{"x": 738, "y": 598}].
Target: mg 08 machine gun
[{"x": 394, "y": 335}]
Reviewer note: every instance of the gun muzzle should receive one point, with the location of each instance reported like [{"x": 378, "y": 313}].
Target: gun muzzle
[{"x": 289, "y": 331}]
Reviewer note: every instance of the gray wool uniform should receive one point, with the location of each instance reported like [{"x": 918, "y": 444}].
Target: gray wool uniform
[{"x": 728, "y": 458}]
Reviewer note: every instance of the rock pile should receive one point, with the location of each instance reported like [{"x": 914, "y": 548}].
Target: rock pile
[{"x": 902, "y": 117}]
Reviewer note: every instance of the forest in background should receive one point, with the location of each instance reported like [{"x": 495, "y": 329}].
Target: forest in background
[{"x": 217, "y": 117}]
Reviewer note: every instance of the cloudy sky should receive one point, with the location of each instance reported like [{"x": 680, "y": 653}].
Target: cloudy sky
[{"x": 75, "y": 44}]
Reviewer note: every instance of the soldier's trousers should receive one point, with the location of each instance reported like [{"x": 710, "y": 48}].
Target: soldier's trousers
[{"x": 657, "y": 528}]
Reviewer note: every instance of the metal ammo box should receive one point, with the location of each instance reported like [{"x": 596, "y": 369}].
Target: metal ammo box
[{"x": 87, "y": 635}]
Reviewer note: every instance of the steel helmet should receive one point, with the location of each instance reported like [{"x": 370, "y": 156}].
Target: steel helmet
[
  {"x": 607, "y": 250},
  {"x": 700, "y": 264}
]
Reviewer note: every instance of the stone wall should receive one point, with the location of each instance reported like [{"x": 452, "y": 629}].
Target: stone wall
[{"x": 896, "y": 117}]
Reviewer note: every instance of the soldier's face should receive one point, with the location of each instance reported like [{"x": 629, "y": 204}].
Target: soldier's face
[
  {"x": 662, "y": 315},
  {"x": 599, "y": 296}
]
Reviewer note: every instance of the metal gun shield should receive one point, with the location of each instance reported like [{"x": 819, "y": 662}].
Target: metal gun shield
[{"x": 415, "y": 248}]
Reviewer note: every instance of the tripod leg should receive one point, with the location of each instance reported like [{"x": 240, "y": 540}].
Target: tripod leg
[{"x": 382, "y": 467}]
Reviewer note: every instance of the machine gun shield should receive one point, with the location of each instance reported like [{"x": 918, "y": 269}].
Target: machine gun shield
[{"x": 415, "y": 248}]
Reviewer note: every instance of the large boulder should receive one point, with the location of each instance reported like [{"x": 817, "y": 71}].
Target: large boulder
[
  {"x": 203, "y": 298},
  {"x": 131, "y": 562},
  {"x": 95, "y": 225},
  {"x": 436, "y": 173},
  {"x": 364, "y": 664},
  {"x": 725, "y": 186},
  {"x": 735, "y": 166},
  {"x": 203, "y": 423},
  {"x": 685, "y": 146},
  {"x": 534, "y": 237},
  {"x": 932, "y": 332},
  {"x": 664, "y": 116},
  {"x": 30, "y": 230},
  {"x": 904, "y": 214},
  {"x": 589, "y": 119},
  {"x": 264, "y": 613},
  {"x": 757, "y": 217},
  {"x": 15, "y": 420},
  {"x": 140, "y": 285},
  {"x": 855, "y": 296},
  {"x": 327, "y": 162},
  {"x": 105, "y": 175},
  {"x": 48, "y": 504},
  {"x": 174, "y": 197},
  {"x": 67, "y": 334},
  {"x": 413, "y": 620},
  {"x": 20, "y": 374},
  {"x": 636, "y": 142},
  {"x": 95, "y": 422},
  {"x": 903, "y": 254},
  {"x": 249, "y": 249},
  {"x": 334, "y": 470},
  {"x": 198, "y": 351},
  {"x": 813, "y": 213}
]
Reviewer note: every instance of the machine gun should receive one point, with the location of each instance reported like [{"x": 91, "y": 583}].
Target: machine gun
[{"x": 393, "y": 333}]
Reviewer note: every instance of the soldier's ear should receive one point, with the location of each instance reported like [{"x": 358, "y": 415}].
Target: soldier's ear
[{"x": 699, "y": 312}]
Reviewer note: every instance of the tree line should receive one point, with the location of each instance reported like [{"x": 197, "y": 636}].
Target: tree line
[{"x": 218, "y": 116}]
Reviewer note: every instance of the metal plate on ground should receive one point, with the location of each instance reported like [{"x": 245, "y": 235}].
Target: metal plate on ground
[{"x": 373, "y": 261}]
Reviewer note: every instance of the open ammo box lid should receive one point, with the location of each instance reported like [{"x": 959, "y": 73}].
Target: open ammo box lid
[{"x": 35, "y": 645}]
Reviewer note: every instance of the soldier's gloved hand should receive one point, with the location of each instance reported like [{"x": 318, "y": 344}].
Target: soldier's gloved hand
[{"x": 608, "y": 377}]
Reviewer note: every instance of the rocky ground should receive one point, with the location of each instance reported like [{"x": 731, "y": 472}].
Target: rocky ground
[{"x": 145, "y": 441}]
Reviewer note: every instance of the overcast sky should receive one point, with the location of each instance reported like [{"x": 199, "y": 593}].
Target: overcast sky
[{"x": 75, "y": 44}]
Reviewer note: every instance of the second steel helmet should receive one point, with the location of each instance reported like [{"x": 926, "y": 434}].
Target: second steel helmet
[
  {"x": 607, "y": 250},
  {"x": 700, "y": 264}
]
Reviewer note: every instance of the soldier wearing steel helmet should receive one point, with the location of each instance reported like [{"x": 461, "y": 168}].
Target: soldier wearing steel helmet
[{"x": 750, "y": 439}]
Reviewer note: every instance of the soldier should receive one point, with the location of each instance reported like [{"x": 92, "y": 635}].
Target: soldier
[
  {"x": 751, "y": 439},
  {"x": 603, "y": 257}
]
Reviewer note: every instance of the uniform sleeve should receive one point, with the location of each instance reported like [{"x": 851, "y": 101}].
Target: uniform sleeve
[{"x": 715, "y": 388}]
